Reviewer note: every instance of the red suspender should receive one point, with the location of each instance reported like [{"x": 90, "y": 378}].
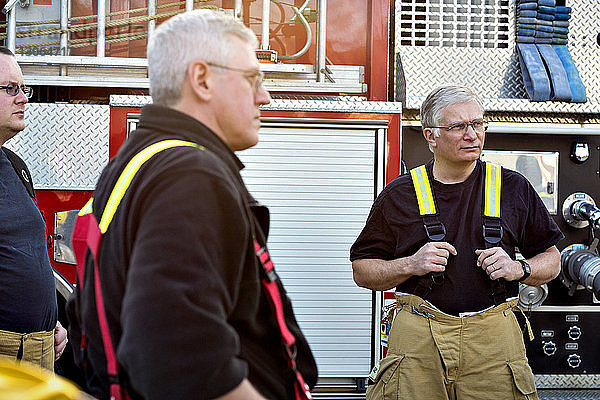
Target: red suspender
[
  {"x": 87, "y": 235},
  {"x": 269, "y": 278}
]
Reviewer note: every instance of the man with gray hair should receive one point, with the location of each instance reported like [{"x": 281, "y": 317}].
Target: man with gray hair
[
  {"x": 444, "y": 236},
  {"x": 193, "y": 307}
]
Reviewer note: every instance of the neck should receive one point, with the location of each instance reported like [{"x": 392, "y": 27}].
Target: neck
[{"x": 451, "y": 172}]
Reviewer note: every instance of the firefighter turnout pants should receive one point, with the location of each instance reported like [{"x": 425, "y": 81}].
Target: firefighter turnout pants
[
  {"x": 36, "y": 348},
  {"x": 433, "y": 355}
]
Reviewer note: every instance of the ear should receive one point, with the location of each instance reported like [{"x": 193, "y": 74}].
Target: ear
[
  {"x": 430, "y": 137},
  {"x": 199, "y": 78}
]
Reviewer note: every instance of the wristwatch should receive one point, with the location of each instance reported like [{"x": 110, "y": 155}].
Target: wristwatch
[{"x": 526, "y": 270}]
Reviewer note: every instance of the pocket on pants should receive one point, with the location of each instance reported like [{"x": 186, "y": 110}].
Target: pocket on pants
[
  {"x": 523, "y": 378},
  {"x": 385, "y": 379}
]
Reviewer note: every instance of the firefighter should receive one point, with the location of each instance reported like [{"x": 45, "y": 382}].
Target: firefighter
[
  {"x": 445, "y": 236},
  {"x": 29, "y": 328},
  {"x": 190, "y": 305}
]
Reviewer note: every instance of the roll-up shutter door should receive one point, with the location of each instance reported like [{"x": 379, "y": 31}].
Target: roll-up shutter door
[{"x": 319, "y": 179}]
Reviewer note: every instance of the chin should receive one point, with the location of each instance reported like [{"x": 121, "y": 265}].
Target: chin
[{"x": 246, "y": 144}]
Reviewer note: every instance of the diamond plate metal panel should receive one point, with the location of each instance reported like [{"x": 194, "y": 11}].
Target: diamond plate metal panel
[
  {"x": 569, "y": 394},
  {"x": 493, "y": 72},
  {"x": 567, "y": 381},
  {"x": 64, "y": 145},
  {"x": 303, "y": 104},
  {"x": 383, "y": 107},
  {"x": 119, "y": 100}
]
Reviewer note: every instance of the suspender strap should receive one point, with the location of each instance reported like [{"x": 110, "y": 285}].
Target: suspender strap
[
  {"x": 129, "y": 172},
  {"x": 22, "y": 171},
  {"x": 435, "y": 230},
  {"x": 433, "y": 227},
  {"x": 87, "y": 234},
  {"x": 269, "y": 281},
  {"x": 492, "y": 224}
]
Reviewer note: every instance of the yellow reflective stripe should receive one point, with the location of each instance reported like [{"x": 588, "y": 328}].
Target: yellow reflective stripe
[
  {"x": 493, "y": 187},
  {"x": 129, "y": 172},
  {"x": 417, "y": 186},
  {"x": 87, "y": 209},
  {"x": 423, "y": 190}
]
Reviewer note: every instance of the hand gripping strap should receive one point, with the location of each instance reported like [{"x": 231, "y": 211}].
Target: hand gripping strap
[
  {"x": 288, "y": 340},
  {"x": 87, "y": 234}
]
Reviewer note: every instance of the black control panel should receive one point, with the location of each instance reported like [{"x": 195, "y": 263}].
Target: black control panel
[{"x": 566, "y": 342}]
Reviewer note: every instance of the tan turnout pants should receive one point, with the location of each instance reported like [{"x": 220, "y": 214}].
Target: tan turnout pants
[
  {"x": 436, "y": 356},
  {"x": 37, "y": 347}
]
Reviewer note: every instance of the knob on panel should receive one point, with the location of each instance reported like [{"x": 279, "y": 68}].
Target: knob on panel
[
  {"x": 574, "y": 360},
  {"x": 574, "y": 332},
  {"x": 549, "y": 348}
]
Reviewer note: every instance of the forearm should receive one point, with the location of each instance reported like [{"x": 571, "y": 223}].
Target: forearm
[
  {"x": 378, "y": 274},
  {"x": 544, "y": 267}
]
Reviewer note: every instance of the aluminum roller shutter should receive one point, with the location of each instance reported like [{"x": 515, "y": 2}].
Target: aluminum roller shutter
[{"x": 319, "y": 180}]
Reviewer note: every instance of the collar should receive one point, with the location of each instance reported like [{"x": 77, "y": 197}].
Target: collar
[
  {"x": 471, "y": 179},
  {"x": 175, "y": 123}
]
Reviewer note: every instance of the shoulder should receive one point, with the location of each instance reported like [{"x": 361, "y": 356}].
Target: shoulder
[{"x": 401, "y": 185}]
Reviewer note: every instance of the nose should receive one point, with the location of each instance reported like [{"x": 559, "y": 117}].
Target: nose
[
  {"x": 20, "y": 98},
  {"x": 262, "y": 96},
  {"x": 470, "y": 132}
]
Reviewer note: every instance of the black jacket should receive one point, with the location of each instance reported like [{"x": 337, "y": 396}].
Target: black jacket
[{"x": 184, "y": 301}]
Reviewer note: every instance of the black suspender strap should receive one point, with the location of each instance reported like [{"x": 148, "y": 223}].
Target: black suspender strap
[
  {"x": 21, "y": 169},
  {"x": 492, "y": 224},
  {"x": 435, "y": 230}
]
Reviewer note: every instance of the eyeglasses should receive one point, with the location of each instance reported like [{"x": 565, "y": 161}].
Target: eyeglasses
[
  {"x": 255, "y": 77},
  {"x": 13, "y": 89},
  {"x": 478, "y": 125}
]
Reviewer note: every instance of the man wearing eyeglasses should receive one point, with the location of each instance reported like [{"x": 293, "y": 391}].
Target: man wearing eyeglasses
[
  {"x": 29, "y": 329},
  {"x": 182, "y": 265},
  {"x": 444, "y": 236}
]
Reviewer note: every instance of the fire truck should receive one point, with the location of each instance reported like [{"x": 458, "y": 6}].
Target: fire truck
[{"x": 347, "y": 78}]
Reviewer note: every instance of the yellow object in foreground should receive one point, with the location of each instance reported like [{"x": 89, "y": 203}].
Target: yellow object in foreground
[{"x": 24, "y": 381}]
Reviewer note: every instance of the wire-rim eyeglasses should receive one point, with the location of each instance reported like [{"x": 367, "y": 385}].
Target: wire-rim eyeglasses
[
  {"x": 478, "y": 125},
  {"x": 12, "y": 89}
]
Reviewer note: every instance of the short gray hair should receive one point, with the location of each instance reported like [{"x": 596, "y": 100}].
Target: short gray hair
[
  {"x": 441, "y": 98},
  {"x": 194, "y": 35}
]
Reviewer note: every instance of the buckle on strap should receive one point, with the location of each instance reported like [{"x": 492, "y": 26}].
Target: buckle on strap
[
  {"x": 291, "y": 350},
  {"x": 436, "y": 231},
  {"x": 265, "y": 261},
  {"x": 492, "y": 230}
]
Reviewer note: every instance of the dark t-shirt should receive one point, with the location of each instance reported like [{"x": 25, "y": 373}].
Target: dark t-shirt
[
  {"x": 27, "y": 291},
  {"x": 395, "y": 229}
]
